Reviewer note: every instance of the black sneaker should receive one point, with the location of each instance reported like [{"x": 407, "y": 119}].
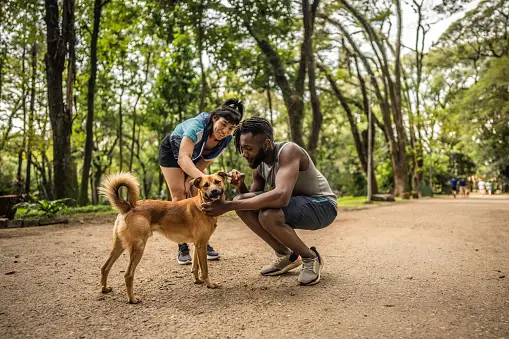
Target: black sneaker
[
  {"x": 184, "y": 258},
  {"x": 211, "y": 254}
]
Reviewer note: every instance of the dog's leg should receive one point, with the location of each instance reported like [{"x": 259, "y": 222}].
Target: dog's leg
[
  {"x": 116, "y": 251},
  {"x": 195, "y": 270},
  {"x": 202, "y": 262},
  {"x": 136, "y": 252}
]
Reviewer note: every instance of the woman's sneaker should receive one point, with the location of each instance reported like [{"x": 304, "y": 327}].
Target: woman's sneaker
[
  {"x": 311, "y": 269},
  {"x": 282, "y": 264},
  {"x": 211, "y": 254},
  {"x": 184, "y": 258}
]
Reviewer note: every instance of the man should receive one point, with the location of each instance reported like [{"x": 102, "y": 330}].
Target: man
[
  {"x": 481, "y": 185},
  {"x": 489, "y": 186},
  {"x": 299, "y": 197},
  {"x": 463, "y": 187},
  {"x": 454, "y": 183}
]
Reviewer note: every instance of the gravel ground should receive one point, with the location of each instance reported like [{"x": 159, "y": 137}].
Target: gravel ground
[{"x": 433, "y": 268}]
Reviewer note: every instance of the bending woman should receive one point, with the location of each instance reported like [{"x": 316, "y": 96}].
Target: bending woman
[{"x": 186, "y": 152}]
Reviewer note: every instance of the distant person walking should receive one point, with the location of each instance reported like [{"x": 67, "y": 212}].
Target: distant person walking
[
  {"x": 470, "y": 185},
  {"x": 463, "y": 187},
  {"x": 482, "y": 187},
  {"x": 454, "y": 184},
  {"x": 489, "y": 186}
]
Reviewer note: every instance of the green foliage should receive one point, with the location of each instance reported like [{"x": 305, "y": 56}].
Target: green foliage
[
  {"x": 89, "y": 209},
  {"x": 154, "y": 55},
  {"x": 43, "y": 208}
]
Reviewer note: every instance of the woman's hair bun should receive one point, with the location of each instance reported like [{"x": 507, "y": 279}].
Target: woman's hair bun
[{"x": 236, "y": 104}]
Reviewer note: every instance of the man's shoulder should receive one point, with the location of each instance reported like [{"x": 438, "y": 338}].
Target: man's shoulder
[{"x": 288, "y": 147}]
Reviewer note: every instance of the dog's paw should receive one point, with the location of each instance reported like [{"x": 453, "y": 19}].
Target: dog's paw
[
  {"x": 212, "y": 285},
  {"x": 106, "y": 289},
  {"x": 198, "y": 281},
  {"x": 135, "y": 300}
]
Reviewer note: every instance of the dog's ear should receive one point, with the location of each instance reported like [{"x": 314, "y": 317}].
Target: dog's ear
[
  {"x": 222, "y": 174},
  {"x": 196, "y": 182}
]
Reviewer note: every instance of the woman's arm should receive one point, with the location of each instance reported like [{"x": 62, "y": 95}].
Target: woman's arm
[
  {"x": 202, "y": 164},
  {"x": 185, "y": 160}
]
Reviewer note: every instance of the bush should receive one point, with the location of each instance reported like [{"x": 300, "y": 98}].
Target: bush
[{"x": 43, "y": 208}]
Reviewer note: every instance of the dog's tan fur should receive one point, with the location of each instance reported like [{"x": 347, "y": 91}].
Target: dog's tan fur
[{"x": 181, "y": 221}]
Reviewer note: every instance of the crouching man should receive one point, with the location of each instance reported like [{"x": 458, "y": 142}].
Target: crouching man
[{"x": 298, "y": 197}]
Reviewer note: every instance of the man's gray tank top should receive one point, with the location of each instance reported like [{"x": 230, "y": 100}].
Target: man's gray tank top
[{"x": 309, "y": 183}]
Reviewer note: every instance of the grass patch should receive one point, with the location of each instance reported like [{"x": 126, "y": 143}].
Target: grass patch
[
  {"x": 26, "y": 213},
  {"x": 89, "y": 209},
  {"x": 351, "y": 202}
]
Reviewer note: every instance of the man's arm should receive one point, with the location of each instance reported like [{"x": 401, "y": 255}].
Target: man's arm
[
  {"x": 257, "y": 185},
  {"x": 286, "y": 178}
]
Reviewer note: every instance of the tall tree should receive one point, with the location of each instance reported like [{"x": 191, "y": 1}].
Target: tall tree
[
  {"x": 387, "y": 86},
  {"x": 360, "y": 148},
  {"x": 61, "y": 121},
  {"x": 31, "y": 116},
  {"x": 89, "y": 143},
  {"x": 293, "y": 94}
]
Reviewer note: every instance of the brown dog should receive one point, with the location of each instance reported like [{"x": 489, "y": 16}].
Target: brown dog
[{"x": 180, "y": 221}]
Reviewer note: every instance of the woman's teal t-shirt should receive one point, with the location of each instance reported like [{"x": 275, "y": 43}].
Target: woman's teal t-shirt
[{"x": 194, "y": 129}]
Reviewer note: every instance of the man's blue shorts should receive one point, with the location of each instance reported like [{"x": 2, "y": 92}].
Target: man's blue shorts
[{"x": 309, "y": 213}]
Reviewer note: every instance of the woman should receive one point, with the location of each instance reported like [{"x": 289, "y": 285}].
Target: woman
[{"x": 186, "y": 152}]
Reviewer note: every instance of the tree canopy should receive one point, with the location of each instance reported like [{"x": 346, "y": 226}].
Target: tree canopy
[{"x": 88, "y": 88}]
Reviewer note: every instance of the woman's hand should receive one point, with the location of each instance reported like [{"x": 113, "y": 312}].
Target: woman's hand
[{"x": 236, "y": 178}]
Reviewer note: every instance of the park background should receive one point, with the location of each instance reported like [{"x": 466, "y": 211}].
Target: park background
[{"x": 92, "y": 87}]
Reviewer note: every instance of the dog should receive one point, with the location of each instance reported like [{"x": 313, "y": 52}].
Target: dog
[{"x": 180, "y": 221}]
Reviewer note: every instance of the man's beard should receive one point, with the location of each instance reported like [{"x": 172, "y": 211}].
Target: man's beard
[{"x": 259, "y": 159}]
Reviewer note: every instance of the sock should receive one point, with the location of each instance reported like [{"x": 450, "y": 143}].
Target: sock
[{"x": 293, "y": 256}]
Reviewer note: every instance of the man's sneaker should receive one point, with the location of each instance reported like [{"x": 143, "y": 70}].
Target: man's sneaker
[
  {"x": 311, "y": 269},
  {"x": 211, "y": 254},
  {"x": 184, "y": 258},
  {"x": 282, "y": 264}
]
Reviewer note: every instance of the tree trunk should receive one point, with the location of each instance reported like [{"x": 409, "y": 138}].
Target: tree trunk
[
  {"x": 100, "y": 169},
  {"x": 61, "y": 121},
  {"x": 292, "y": 98},
  {"x": 89, "y": 143},
  {"x": 359, "y": 145},
  {"x": 204, "y": 86},
  {"x": 397, "y": 142},
  {"x": 121, "y": 122},
  {"x": 134, "y": 112},
  {"x": 309, "y": 15},
  {"x": 31, "y": 118},
  {"x": 2, "y": 58},
  {"x": 402, "y": 181},
  {"x": 419, "y": 56},
  {"x": 366, "y": 103},
  {"x": 24, "y": 106}
]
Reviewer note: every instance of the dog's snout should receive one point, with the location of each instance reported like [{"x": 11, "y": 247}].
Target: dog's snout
[{"x": 215, "y": 191}]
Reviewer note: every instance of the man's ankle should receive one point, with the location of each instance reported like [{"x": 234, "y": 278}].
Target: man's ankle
[
  {"x": 284, "y": 253},
  {"x": 293, "y": 256}
]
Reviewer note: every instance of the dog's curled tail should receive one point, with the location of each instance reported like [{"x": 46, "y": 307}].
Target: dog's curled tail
[{"x": 112, "y": 183}]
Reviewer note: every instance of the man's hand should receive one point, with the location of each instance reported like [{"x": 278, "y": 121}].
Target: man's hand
[
  {"x": 215, "y": 208},
  {"x": 236, "y": 178}
]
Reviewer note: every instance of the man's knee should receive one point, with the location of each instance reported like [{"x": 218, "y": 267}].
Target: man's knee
[
  {"x": 243, "y": 196},
  {"x": 271, "y": 217}
]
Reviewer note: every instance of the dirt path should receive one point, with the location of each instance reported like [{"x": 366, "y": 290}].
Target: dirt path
[{"x": 428, "y": 269}]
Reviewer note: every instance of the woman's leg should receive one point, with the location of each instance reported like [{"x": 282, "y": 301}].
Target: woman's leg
[{"x": 174, "y": 177}]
